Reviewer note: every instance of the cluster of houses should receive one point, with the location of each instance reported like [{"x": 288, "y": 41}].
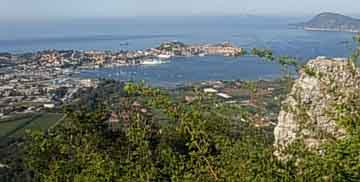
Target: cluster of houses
[
  {"x": 34, "y": 81},
  {"x": 181, "y": 49},
  {"x": 96, "y": 59},
  {"x": 36, "y": 85}
]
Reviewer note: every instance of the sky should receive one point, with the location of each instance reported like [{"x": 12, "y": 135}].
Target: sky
[{"x": 52, "y": 9}]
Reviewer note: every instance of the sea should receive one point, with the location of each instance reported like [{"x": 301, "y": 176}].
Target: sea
[{"x": 137, "y": 33}]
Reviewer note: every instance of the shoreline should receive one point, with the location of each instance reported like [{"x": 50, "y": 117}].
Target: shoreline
[
  {"x": 330, "y": 30},
  {"x": 98, "y": 58}
]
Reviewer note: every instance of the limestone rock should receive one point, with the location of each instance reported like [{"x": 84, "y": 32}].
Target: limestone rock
[{"x": 306, "y": 113}]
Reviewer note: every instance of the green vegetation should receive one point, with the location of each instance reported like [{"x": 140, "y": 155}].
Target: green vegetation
[
  {"x": 193, "y": 142},
  {"x": 12, "y": 133},
  {"x": 289, "y": 65},
  {"x": 43, "y": 122},
  {"x": 356, "y": 54},
  {"x": 17, "y": 126},
  {"x": 309, "y": 71},
  {"x": 159, "y": 136},
  {"x": 263, "y": 53},
  {"x": 7, "y": 127},
  {"x": 268, "y": 55}
]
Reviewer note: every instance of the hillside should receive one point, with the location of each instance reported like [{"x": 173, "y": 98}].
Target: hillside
[{"x": 331, "y": 22}]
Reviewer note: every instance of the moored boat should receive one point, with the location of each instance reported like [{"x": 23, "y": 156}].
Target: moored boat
[{"x": 153, "y": 62}]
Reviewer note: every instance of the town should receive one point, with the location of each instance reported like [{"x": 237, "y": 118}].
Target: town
[{"x": 34, "y": 82}]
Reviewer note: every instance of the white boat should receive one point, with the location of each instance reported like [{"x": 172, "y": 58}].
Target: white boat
[
  {"x": 164, "y": 56},
  {"x": 153, "y": 62}
]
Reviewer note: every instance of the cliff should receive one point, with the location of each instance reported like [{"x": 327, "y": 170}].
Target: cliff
[
  {"x": 320, "y": 105},
  {"x": 331, "y": 22}
]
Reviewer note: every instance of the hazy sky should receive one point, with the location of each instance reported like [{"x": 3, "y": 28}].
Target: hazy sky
[{"x": 48, "y": 9}]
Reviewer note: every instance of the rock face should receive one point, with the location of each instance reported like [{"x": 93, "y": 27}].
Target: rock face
[{"x": 307, "y": 112}]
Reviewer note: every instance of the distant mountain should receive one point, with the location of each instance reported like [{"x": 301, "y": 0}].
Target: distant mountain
[{"x": 331, "y": 22}]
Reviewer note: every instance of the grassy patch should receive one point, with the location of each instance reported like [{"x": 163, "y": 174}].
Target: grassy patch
[
  {"x": 43, "y": 122},
  {"x": 18, "y": 126},
  {"x": 7, "y": 127}
]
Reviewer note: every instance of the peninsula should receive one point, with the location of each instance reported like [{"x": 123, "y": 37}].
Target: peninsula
[
  {"x": 48, "y": 79},
  {"x": 331, "y": 22}
]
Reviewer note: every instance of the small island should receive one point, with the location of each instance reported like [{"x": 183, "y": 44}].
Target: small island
[{"x": 331, "y": 22}]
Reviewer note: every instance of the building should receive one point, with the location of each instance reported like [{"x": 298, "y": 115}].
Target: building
[
  {"x": 210, "y": 90},
  {"x": 49, "y": 106},
  {"x": 223, "y": 95}
]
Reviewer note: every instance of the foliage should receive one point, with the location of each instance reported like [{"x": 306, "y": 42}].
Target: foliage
[
  {"x": 309, "y": 71},
  {"x": 268, "y": 55},
  {"x": 356, "y": 54},
  {"x": 263, "y": 53},
  {"x": 194, "y": 143},
  {"x": 289, "y": 65},
  {"x": 163, "y": 139}
]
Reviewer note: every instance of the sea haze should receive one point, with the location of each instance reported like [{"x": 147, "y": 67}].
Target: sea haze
[{"x": 145, "y": 32}]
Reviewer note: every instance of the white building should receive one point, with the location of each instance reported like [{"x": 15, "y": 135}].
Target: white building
[
  {"x": 210, "y": 90},
  {"x": 223, "y": 95},
  {"x": 49, "y": 106}
]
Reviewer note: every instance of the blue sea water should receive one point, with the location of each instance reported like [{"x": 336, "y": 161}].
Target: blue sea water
[
  {"x": 146, "y": 32},
  {"x": 186, "y": 70}
]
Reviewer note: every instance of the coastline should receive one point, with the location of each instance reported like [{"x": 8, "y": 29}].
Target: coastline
[{"x": 330, "y": 30}]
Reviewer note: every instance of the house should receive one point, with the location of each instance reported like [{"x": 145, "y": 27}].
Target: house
[
  {"x": 87, "y": 83},
  {"x": 223, "y": 95},
  {"x": 210, "y": 90},
  {"x": 49, "y": 106}
]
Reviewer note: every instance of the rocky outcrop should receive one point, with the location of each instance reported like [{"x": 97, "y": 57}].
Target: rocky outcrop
[{"x": 308, "y": 112}]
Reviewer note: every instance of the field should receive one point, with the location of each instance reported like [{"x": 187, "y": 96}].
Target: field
[{"x": 16, "y": 127}]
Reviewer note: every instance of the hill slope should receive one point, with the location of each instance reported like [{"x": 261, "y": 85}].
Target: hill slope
[{"x": 332, "y": 22}]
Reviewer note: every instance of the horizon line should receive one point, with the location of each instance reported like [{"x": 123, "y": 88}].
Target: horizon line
[{"x": 260, "y": 15}]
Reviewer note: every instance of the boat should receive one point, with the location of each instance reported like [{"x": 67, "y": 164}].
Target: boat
[
  {"x": 124, "y": 43},
  {"x": 164, "y": 56},
  {"x": 153, "y": 62}
]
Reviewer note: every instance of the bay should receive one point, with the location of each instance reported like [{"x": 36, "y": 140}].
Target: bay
[{"x": 138, "y": 33}]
